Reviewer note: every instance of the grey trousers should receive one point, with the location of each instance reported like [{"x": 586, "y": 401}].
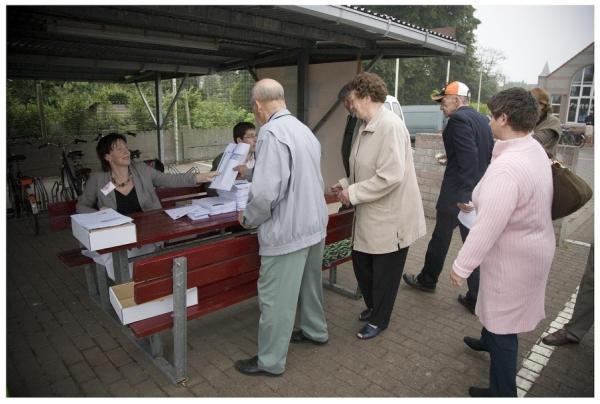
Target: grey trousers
[
  {"x": 583, "y": 313},
  {"x": 286, "y": 282}
]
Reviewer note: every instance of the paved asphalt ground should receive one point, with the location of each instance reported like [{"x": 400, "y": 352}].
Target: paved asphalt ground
[{"x": 59, "y": 343}]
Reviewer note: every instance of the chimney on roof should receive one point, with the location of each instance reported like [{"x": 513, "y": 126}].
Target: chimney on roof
[{"x": 448, "y": 31}]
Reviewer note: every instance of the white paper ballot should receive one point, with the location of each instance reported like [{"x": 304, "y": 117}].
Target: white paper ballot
[
  {"x": 101, "y": 219},
  {"x": 215, "y": 205},
  {"x": 233, "y": 156},
  {"x": 181, "y": 211},
  {"x": 467, "y": 219},
  {"x": 198, "y": 213}
]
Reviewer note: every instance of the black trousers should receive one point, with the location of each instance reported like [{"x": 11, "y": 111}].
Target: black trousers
[
  {"x": 445, "y": 223},
  {"x": 503, "y": 349},
  {"x": 378, "y": 277}
]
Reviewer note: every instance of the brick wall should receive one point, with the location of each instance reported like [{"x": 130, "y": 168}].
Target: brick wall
[{"x": 429, "y": 171}]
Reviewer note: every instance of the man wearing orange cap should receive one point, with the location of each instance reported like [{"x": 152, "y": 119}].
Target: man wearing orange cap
[{"x": 468, "y": 142}]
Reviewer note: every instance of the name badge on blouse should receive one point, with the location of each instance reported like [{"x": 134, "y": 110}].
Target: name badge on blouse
[{"x": 108, "y": 188}]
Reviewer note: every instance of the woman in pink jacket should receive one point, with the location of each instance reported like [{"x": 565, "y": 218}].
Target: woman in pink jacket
[{"x": 512, "y": 239}]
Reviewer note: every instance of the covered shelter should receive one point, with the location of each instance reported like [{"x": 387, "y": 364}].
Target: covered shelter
[{"x": 132, "y": 44}]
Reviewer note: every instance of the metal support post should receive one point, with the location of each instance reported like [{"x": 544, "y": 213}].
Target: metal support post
[
  {"x": 156, "y": 345},
  {"x": 90, "y": 280},
  {"x": 121, "y": 266},
  {"x": 180, "y": 318},
  {"x": 302, "y": 104},
  {"x": 159, "y": 119},
  {"x": 102, "y": 287},
  {"x": 146, "y": 103}
]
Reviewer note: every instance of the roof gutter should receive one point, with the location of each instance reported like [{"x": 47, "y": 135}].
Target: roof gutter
[{"x": 377, "y": 25}]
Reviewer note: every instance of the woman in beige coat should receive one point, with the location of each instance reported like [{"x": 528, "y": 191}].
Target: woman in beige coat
[{"x": 384, "y": 192}]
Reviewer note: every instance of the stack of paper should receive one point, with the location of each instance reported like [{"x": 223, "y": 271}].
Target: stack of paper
[
  {"x": 198, "y": 213},
  {"x": 215, "y": 205},
  {"x": 239, "y": 194},
  {"x": 101, "y": 219},
  {"x": 233, "y": 156}
]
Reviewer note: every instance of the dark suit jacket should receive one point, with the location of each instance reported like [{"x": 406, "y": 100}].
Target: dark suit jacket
[{"x": 468, "y": 142}]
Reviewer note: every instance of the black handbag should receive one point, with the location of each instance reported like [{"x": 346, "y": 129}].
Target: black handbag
[{"x": 571, "y": 192}]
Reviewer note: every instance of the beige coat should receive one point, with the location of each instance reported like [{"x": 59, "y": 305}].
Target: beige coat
[{"x": 384, "y": 190}]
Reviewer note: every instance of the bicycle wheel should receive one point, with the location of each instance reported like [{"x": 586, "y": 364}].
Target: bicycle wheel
[
  {"x": 71, "y": 180},
  {"x": 16, "y": 197}
]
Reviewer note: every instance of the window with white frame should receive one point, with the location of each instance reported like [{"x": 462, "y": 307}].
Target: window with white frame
[
  {"x": 581, "y": 97},
  {"x": 555, "y": 104}
]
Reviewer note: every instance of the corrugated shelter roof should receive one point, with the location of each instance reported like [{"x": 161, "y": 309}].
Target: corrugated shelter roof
[{"x": 131, "y": 43}]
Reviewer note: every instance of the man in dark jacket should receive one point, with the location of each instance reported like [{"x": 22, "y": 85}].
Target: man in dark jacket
[{"x": 468, "y": 142}]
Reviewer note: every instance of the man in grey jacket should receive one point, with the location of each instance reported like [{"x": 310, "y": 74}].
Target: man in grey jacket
[{"x": 287, "y": 204}]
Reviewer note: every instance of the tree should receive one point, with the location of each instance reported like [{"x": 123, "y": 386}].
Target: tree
[{"x": 418, "y": 77}]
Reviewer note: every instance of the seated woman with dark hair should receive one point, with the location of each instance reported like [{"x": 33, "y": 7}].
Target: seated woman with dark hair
[{"x": 127, "y": 188}]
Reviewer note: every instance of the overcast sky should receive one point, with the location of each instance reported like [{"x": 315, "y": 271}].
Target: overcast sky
[{"x": 531, "y": 35}]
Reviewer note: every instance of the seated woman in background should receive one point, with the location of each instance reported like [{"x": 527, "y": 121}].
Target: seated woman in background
[
  {"x": 512, "y": 239},
  {"x": 127, "y": 188}
]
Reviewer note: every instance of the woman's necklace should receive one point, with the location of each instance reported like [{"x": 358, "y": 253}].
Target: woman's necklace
[{"x": 121, "y": 184}]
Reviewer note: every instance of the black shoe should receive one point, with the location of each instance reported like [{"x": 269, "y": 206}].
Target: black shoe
[
  {"x": 250, "y": 367},
  {"x": 560, "y": 337},
  {"x": 365, "y": 315},
  {"x": 475, "y": 344},
  {"x": 299, "y": 337},
  {"x": 368, "y": 332},
  {"x": 479, "y": 392},
  {"x": 468, "y": 303},
  {"x": 413, "y": 280}
]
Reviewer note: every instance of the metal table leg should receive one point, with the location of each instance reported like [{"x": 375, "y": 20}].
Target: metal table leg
[{"x": 121, "y": 266}]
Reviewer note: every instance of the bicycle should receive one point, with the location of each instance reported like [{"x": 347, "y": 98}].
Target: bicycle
[
  {"x": 72, "y": 175},
  {"x": 572, "y": 136},
  {"x": 23, "y": 192}
]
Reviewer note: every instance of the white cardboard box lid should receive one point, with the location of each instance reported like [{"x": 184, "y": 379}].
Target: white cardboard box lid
[{"x": 107, "y": 237}]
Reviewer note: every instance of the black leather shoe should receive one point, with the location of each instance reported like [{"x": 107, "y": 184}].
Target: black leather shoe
[
  {"x": 413, "y": 280},
  {"x": 365, "y": 315},
  {"x": 250, "y": 367},
  {"x": 474, "y": 343},
  {"x": 560, "y": 337},
  {"x": 368, "y": 332},
  {"x": 469, "y": 304},
  {"x": 479, "y": 392},
  {"x": 299, "y": 337}
]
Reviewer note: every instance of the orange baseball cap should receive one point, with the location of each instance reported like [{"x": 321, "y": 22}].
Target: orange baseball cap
[{"x": 454, "y": 88}]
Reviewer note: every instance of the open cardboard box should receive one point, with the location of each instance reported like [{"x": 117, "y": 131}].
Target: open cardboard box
[{"x": 121, "y": 298}]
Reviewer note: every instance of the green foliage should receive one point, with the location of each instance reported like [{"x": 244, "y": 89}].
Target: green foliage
[
  {"x": 21, "y": 109},
  {"x": 418, "y": 77},
  {"x": 214, "y": 113},
  {"x": 483, "y": 108}
]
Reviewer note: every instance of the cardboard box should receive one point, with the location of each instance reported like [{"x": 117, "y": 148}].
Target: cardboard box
[
  {"x": 106, "y": 237},
  {"x": 121, "y": 298}
]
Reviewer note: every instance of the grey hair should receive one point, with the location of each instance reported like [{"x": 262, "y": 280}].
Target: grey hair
[
  {"x": 267, "y": 90},
  {"x": 463, "y": 100}
]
